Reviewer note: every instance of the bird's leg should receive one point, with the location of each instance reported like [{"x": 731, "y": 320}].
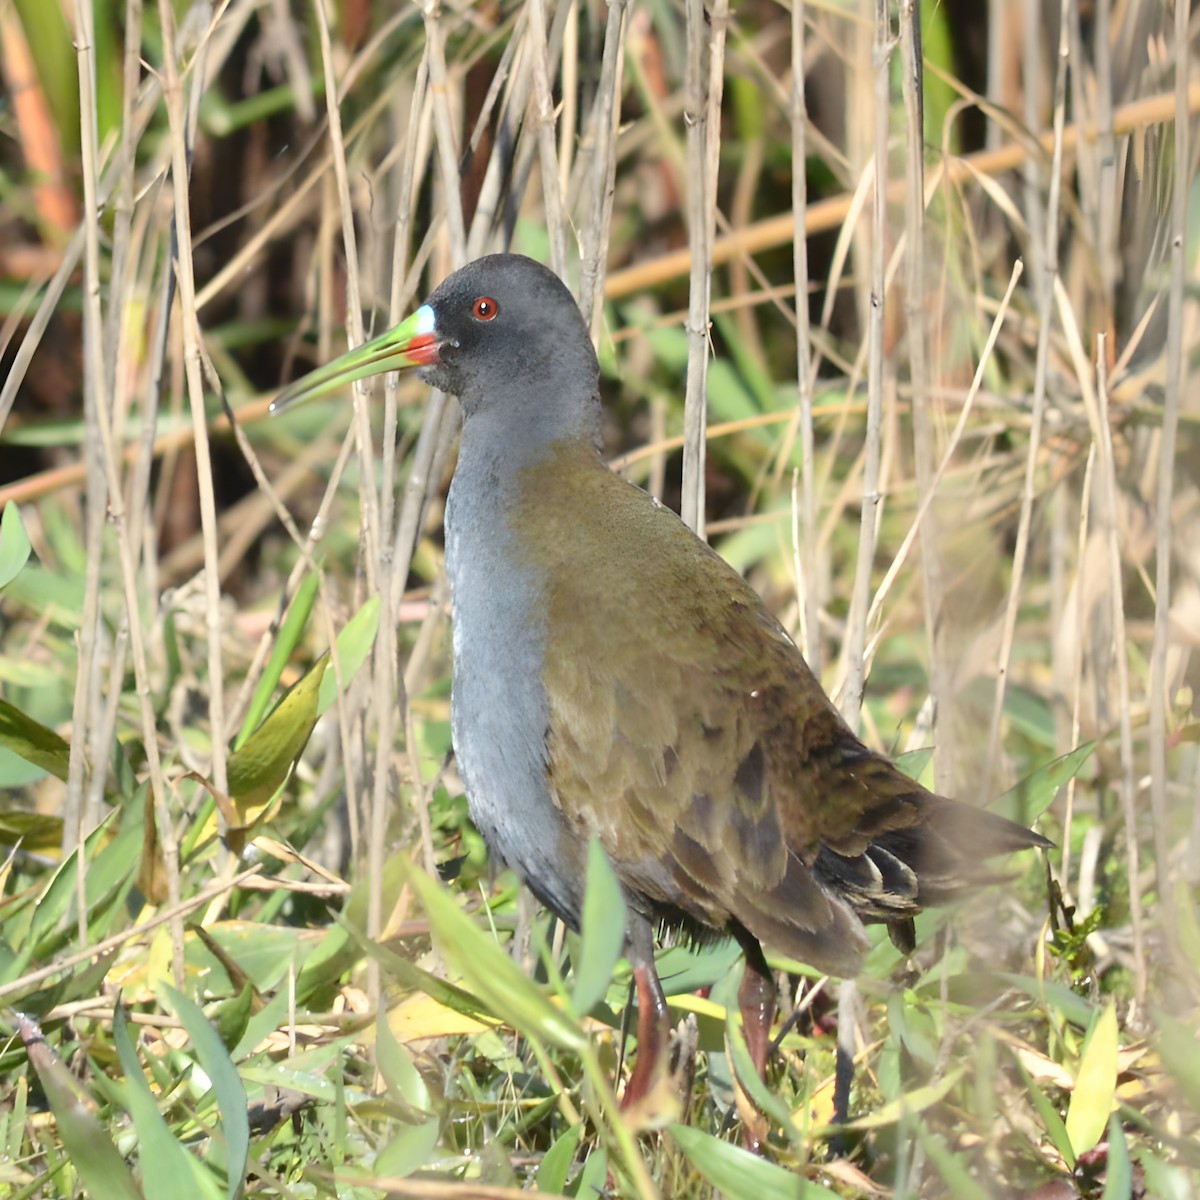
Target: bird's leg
[
  {"x": 756, "y": 1003},
  {"x": 654, "y": 1024}
]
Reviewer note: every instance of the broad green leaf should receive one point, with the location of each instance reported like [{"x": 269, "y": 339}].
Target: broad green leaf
[
  {"x": 290, "y": 632},
  {"x": 257, "y": 770},
  {"x": 33, "y": 741},
  {"x": 353, "y": 645},
  {"x": 100, "y": 1165},
  {"x": 227, "y": 1087},
  {"x": 173, "y": 1174},
  {"x": 556, "y": 1162},
  {"x": 738, "y": 1174},
  {"x": 409, "y": 1151},
  {"x": 1034, "y": 794},
  {"x": 1095, "y": 1083},
  {"x": 280, "y": 1075},
  {"x": 14, "y": 544},
  {"x": 593, "y": 1177},
  {"x": 488, "y": 972},
  {"x": 263, "y": 953},
  {"x": 1118, "y": 1182},
  {"x": 602, "y": 934}
]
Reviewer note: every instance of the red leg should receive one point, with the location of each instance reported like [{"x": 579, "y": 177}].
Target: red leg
[
  {"x": 756, "y": 1003},
  {"x": 653, "y": 1033}
]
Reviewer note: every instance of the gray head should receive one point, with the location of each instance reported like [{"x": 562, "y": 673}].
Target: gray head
[
  {"x": 504, "y": 335},
  {"x": 508, "y": 332}
]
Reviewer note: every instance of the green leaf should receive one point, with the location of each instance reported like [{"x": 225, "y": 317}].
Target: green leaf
[
  {"x": 14, "y": 544},
  {"x": 592, "y": 1179},
  {"x": 290, "y": 632},
  {"x": 602, "y": 934},
  {"x": 737, "y": 1173},
  {"x": 1052, "y": 1123},
  {"x": 398, "y": 1070},
  {"x": 1118, "y": 1182},
  {"x": 488, "y": 972},
  {"x": 1034, "y": 794},
  {"x": 916, "y": 1101},
  {"x": 257, "y": 770},
  {"x": 354, "y": 643},
  {"x": 227, "y": 1086},
  {"x": 38, "y": 833},
  {"x": 410, "y": 1150},
  {"x": 174, "y": 1173},
  {"x": 33, "y": 741},
  {"x": 763, "y": 1097},
  {"x": 1095, "y": 1083},
  {"x": 101, "y": 1168},
  {"x": 556, "y": 1162}
]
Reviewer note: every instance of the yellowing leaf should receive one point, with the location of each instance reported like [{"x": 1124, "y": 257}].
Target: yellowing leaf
[
  {"x": 257, "y": 770},
  {"x": 420, "y": 1017},
  {"x": 1095, "y": 1083}
]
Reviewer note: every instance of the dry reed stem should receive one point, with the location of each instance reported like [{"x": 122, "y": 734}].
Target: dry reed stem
[
  {"x": 598, "y": 165},
  {"x": 853, "y": 648},
  {"x": 95, "y": 402},
  {"x": 807, "y": 585},
  {"x": 1045, "y": 305},
  {"x": 834, "y": 212},
  {"x": 928, "y": 495},
  {"x": 1163, "y": 532},
  {"x": 912, "y": 81},
  {"x": 704, "y": 52},
  {"x": 1108, "y": 527},
  {"x": 180, "y": 144}
]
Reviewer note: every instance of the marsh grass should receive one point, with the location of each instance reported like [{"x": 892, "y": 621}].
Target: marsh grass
[{"x": 961, "y": 465}]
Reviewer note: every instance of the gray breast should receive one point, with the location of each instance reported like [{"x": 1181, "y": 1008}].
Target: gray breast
[{"x": 499, "y": 712}]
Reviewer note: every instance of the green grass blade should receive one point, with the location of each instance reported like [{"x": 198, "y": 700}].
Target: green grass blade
[
  {"x": 101, "y": 1169},
  {"x": 227, "y": 1086},
  {"x": 489, "y": 972},
  {"x": 738, "y": 1174},
  {"x": 1118, "y": 1183},
  {"x": 176, "y": 1175},
  {"x": 291, "y": 630},
  {"x": 354, "y": 643},
  {"x": 602, "y": 935}
]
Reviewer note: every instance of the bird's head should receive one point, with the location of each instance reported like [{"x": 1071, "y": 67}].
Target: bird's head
[{"x": 502, "y": 330}]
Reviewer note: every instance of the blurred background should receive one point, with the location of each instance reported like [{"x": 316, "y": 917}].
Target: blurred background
[{"x": 940, "y": 256}]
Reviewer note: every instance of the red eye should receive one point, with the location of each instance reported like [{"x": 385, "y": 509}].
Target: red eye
[{"x": 484, "y": 309}]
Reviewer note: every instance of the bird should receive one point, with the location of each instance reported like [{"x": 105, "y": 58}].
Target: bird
[{"x": 615, "y": 679}]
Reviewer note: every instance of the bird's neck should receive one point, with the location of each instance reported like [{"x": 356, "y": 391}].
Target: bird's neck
[{"x": 503, "y": 434}]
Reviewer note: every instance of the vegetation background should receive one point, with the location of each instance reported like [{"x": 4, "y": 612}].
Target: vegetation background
[{"x": 962, "y": 461}]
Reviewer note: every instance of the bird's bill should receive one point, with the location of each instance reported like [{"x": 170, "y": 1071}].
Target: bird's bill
[{"x": 412, "y": 343}]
